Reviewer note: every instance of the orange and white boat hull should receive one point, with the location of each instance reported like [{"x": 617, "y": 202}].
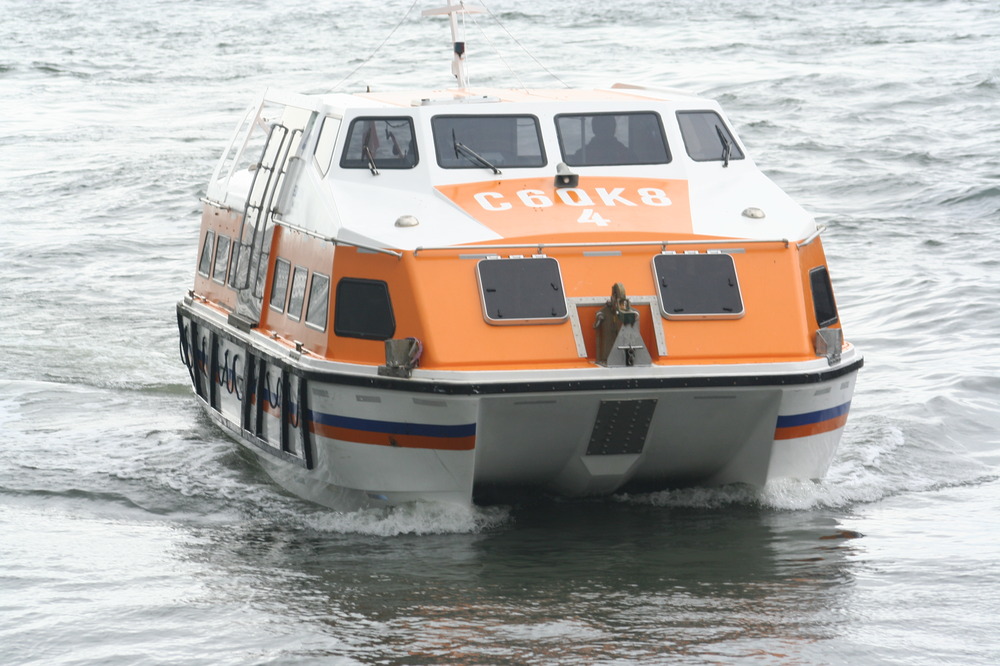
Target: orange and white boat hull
[{"x": 346, "y": 437}]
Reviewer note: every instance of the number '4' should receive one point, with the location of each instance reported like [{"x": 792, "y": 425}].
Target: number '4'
[{"x": 590, "y": 217}]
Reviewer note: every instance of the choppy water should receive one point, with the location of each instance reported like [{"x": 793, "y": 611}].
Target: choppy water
[{"x": 133, "y": 531}]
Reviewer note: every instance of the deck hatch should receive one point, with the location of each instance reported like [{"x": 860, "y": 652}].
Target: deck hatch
[
  {"x": 698, "y": 286},
  {"x": 521, "y": 291},
  {"x": 621, "y": 427}
]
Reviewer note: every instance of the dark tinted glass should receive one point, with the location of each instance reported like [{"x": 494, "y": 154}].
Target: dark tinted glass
[
  {"x": 516, "y": 290},
  {"x": 608, "y": 139},
  {"x": 698, "y": 285},
  {"x": 363, "y": 310},
  {"x": 822, "y": 291},
  {"x": 706, "y": 136},
  {"x": 388, "y": 142},
  {"x": 501, "y": 141}
]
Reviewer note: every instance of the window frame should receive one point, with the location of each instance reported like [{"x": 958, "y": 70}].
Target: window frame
[
  {"x": 701, "y": 280},
  {"x": 309, "y": 302},
  {"x": 341, "y": 298},
  {"x": 206, "y": 260},
  {"x": 396, "y": 164},
  {"x": 489, "y": 308},
  {"x": 542, "y": 155},
  {"x": 656, "y": 115},
  {"x": 278, "y": 262},
  {"x": 737, "y": 152},
  {"x": 326, "y": 162},
  {"x": 300, "y": 304}
]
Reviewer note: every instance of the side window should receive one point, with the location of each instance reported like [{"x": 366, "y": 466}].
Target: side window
[
  {"x": 325, "y": 143},
  {"x": 205, "y": 262},
  {"x": 824, "y": 305},
  {"x": 385, "y": 143},
  {"x": 706, "y": 137},
  {"x": 298, "y": 293},
  {"x": 610, "y": 139},
  {"x": 319, "y": 301},
  {"x": 234, "y": 265},
  {"x": 279, "y": 286},
  {"x": 477, "y": 142},
  {"x": 363, "y": 310},
  {"x": 221, "y": 259}
]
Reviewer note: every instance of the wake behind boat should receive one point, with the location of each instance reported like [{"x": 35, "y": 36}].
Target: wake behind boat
[{"x": 460, "y": 294}]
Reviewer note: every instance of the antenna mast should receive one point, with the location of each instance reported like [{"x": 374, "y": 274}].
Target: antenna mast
[{"x": 454, "y": 8}]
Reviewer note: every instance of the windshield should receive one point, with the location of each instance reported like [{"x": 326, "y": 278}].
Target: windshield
[
  {"x": 487, "y": 142},
  {"x": 611, "y": 139}
]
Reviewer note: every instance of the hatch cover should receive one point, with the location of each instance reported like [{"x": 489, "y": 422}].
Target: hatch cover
[{"x": 621, "y": 427}]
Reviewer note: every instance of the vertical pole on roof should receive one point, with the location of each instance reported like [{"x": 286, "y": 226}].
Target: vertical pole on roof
[
  {"x": 454, "y": 8},
  {"x": 458, "y": 43}
]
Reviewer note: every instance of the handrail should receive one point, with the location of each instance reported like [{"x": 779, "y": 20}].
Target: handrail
[
  {"x": 337, "y": 241},
  {"x": 662, "y": 243},
  {"x": 811, "y": 237}
]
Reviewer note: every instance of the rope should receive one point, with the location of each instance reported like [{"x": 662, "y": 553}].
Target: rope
[
  {"x": 377, "y": 48},
  {"x": 514, "y": 39}
]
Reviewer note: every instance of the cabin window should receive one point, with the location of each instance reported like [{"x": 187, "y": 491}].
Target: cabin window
[
  {"x": 822, "y": 291},
  {"x": 325, "y": 143},
  {"x": 205, "y": 262},
  {"x": 611, "y": 139},
  {"x": 298, "y": 293},
  {"x": 221, "y": 259},
  {"x": 319, "y": 301},
  {"x": 234, "y": 265},
  {"x": 521, "y": 291},
  {"x": 279, "y": 285},
  {"x": 706, "y": 137},
  {"x": 385, "y": 143},
  {"x": 364, "y": 310},
  {"x": 487, "y": 142},
  {"x": 698, "y": 286}
]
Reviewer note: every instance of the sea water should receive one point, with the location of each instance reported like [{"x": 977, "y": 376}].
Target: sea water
[{"x": 133, "y": 531}]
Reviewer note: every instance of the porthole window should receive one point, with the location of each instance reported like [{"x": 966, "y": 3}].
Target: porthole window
[
  {"x": 221, "y": 259},
  {"x": 364, "y": 310},
  {"x": 824, "y": 304},
  {"x": 319, "y": 301},
  {"x": 205, "y": 262},
  {"x": 697, "y": 286},
  {"x": 279, "y": 285},
  {"x": 521, "y": 291},
  {"x": 298, "y": 293},
  {"x": 706, "y": 137}
]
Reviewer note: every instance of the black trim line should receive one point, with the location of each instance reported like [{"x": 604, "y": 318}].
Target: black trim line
[{"x": 415, "y": 385}]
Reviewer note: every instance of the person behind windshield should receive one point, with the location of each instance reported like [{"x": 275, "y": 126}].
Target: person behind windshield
[{"x": 604, "y": 147}]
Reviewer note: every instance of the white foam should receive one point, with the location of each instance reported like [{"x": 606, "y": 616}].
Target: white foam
[{"x": 412, "y": 518}]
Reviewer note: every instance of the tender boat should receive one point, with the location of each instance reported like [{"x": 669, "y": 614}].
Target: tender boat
[{"x": 465, "y": 294}]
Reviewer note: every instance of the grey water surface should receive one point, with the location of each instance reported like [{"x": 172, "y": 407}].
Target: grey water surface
[{"x": 132, "y": 531}]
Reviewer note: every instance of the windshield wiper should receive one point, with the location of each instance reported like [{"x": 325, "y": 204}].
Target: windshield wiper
[
  {"x": 727, "y": 146},
  {"x": 471, "y": 155},
  {"x": 371, "y": 161}
]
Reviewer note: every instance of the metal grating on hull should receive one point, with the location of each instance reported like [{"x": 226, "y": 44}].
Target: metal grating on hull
[{"x": 621, "y": 427}]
